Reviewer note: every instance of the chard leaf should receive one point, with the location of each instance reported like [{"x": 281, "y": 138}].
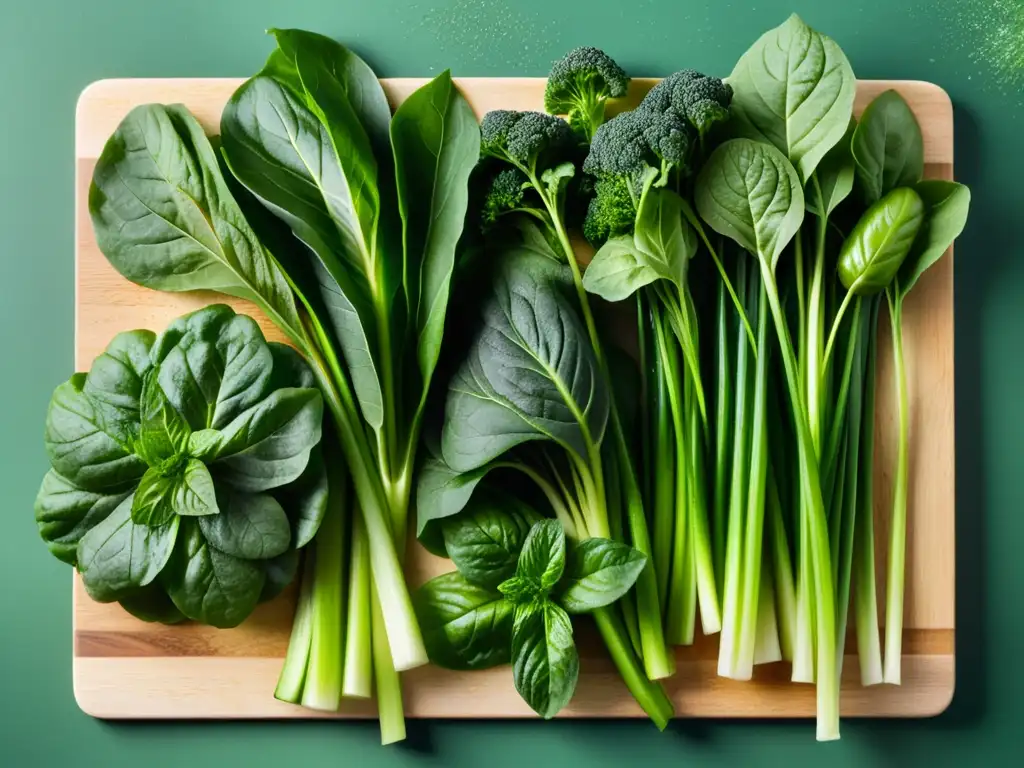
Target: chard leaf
[
  {"x": 530, "y": 374},
  {"x": 465, "y": 627},
  {"x": 117, "y": 556},
  {"x": 249, "y": 526},
  {"x": 748, "y": 191},
  {"x": 794, "y": 88},
  {"x": 208, "y": 585},
  {"x": 545, "y": 664},
  {"x": 165, "y": 218}
]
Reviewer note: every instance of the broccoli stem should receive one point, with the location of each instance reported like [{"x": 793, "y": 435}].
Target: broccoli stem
[{"x": 898, "y": 526}]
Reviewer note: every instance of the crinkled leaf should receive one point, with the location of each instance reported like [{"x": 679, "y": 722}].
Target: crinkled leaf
[
  {"x": 163, "y": 433},
  {"x": 250, "y": 526},
  {"x": 545, "y": 664},
  {"x": 543, "y": 555},
  {"x": 117, "y": 556},
  {"x": 597, "y": 573},
  {"x": 464, "y": 626}
]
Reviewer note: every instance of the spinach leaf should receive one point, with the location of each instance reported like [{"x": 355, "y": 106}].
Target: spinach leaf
[
  {"x": 185, "y": 488},
  {"x": 305, "y": 500},
  {"x": 618, "y": 270},
  {"x": 279, "y": 572},
  {"x": 164, "y": 433},
  {"x": 887, "y": 147},
  {"x": 116, "y": 555},
  {"x": 485, "y": 539},
  {"x": 597, "y": 573},
  {"x": 833, "y": 179},
  {"x": 115, "y": 380},
  {"x": 543, "y": 555},
  {"x": 794, "y": 88},
  {"x": 464, "y": 626},
  {"x": 530, "y": 373},
  {"x": 545, "y": 664},
  {"x": 880, "y": 241},
  {"x": 946, "y": 205},
  {"x": 440, "y": 493},
  {"x": 749, "y": 191},
  {"x": 208, "y": 585},
  {"x": 250, "y": 526},
  {"x": 151, "y": 603},
  {"x": 165, "y": 218},
  {"x": 65, "y": 513}
]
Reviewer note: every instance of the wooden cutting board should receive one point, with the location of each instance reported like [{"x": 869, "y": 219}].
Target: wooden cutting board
[{"x": 125, "y": 668}]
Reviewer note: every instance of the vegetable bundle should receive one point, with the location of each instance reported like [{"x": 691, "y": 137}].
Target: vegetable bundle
[{"x": 717, "y": 465}]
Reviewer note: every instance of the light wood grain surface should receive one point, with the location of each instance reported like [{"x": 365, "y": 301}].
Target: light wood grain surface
[{"x": 125, "y": 668}]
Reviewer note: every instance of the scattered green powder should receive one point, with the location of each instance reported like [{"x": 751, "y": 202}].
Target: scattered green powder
[{"x": 992, "y": 33}]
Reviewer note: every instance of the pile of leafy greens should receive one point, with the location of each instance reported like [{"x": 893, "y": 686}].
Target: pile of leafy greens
[
  {"x": 340, "y": 222},
  {"x": 186, "y": 470}
]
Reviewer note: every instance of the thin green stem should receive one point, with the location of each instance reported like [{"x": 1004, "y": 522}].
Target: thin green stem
[
  {"x": 358, "y": 675},
  {"x": 815, "y": 331},
  {"x": 723, "y": 436},
  {"x": 390, "y": 708},
  {"x": 835, "y": 328},
  {"x": 785, "y": 589},
  {"x": 663, "y": 454},
  {"x": 293, "y": 673},
  {"x": 898, "y": 524}
]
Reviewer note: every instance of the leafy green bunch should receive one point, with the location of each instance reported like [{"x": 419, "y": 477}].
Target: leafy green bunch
[
  {"x": 186, "y": 470},
  {"x": 518, "y": 582}
]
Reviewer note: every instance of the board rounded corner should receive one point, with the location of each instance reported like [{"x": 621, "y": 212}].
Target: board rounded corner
[{"x": 89, "y": 704}]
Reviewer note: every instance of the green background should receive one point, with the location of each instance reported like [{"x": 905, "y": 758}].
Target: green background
[{"x": 51, "y": 50}]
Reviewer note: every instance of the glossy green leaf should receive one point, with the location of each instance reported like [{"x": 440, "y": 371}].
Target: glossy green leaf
[
  {"x": 522, "y": 589},
  {"x": 543, "y": 554},
  {"x": 887, "y": 147},
  {"x": 163, "y": 433},
  {"x": 252, "y": 526},
  {"x": 872, "y": 253},
  {"x": 946, "y": 206},
  {"x": 117, "y": 556},
  {"x": 65, "y": 513},
  {"x": 165, "y": 218},
  {"x": 208, "y": 585},
  {"x": 485, "y": 539},
  {"x": 749, "y": 192},
  {"x": 545, "y": 664},
  {"x": 465, "y": 627},
  {"x": 597, "y": 573},
  {"x": 794, "y": 88},
  {"x": 186, "y": 489},
  {"x": 530, "y": 374}
]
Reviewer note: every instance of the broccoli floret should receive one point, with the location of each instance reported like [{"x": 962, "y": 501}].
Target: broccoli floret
[
  {"x": 632, "y": 142},
  {"x": 505, "y": 193},
  {"x": 525, "y": 139},
  {"x": 579, "y": 85},
  {"x": 700, "y": 100},
  {"x": 612, "y": 210}
]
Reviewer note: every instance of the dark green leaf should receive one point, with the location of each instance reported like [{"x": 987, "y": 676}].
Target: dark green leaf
[
  {"x": 115, "y": 380},
  {"x": 545, "y": 664},
  {"x": 794, "y": 88},
  {"x": 280, "y": 571},
  {"x": 165, "y": 218},
  {"x": 250, "y": 526},
  {"x": 521, "y": 589},
  {"x": 597, "y": 573},
  {"x": 880, "y": 241},
  {"x": 442, "y": 492},
  {"x": 464, "y": 626},
  {"x": 188, "y": 490},
  {"x": 946, "y": 205},
  {"x": 270, "y": 444},
  {"x": 305, "y": 500},
  {"x": 117, "y": 556},
  {"x": 530, "y": 373},
  {"x": 65, "y": 513},
  {"x": 543, "y": 554},
  {"x": 208, "y": 585},
  {"x": 887, "y": 147},
  {"x": 151, "y": 603},
  {"x": 485, "y": 539},
  {"x": 164, "y": 433},
  {"x": 749, "y": 191}
]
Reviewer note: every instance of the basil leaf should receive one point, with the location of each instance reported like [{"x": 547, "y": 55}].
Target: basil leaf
[
  {"x": 464, "y": 626},
  {"x": 485, "y": 539},
  {"x": 270, "y": 444},
  {"x": 597, "y": 573},
  {"x": 64, "y": 513},
  {"x": 213, "y": 365},
  {"x": 543, "y": 554},
  {"x": 521, "y": 589},
  {"x": 887, "y": 147},
  {"x": 946, "y": 205},
  {"x": 117, "y": 555},
  {"x": 164, "y": 433},
  {"x": 208, "y": 585},
  {"x": 530, "y": 374},
  {"x": 186, "y": 491},
  {"x": 165, "y": 218},
  {"x": 872, "y": 253},
  {"x": 794, "y": 88},
  {"x": 250, "y": 526},
  {"x": 151, "y": 603},
  {"x": 748, "y": 191},
  {"x": 204, "y": 444},
  {"x": 545, "y": 664}
]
